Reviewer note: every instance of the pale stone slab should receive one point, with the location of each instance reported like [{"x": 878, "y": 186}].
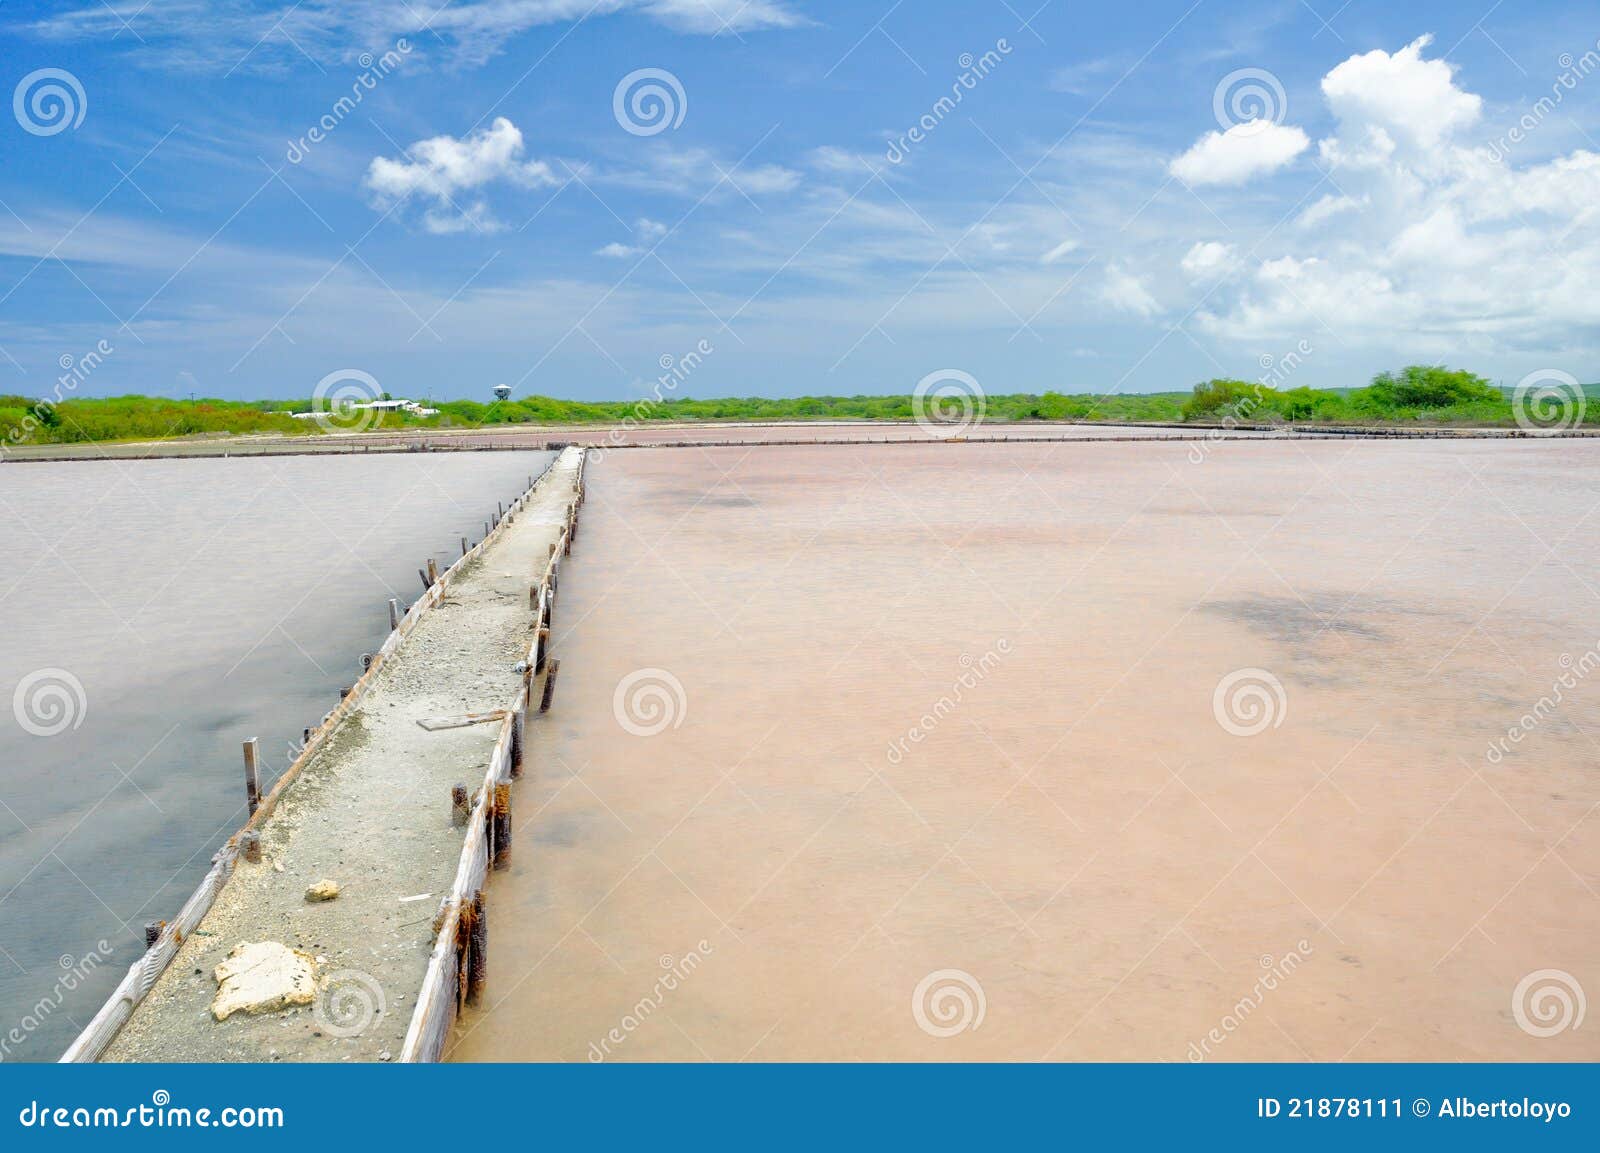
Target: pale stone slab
[{"x": 261, "y": 977}]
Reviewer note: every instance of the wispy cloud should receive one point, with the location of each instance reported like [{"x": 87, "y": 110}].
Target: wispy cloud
[{"x": 265, "y": 34}]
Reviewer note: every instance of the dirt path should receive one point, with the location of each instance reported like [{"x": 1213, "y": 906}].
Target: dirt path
[{"x": 371, "y": 811}]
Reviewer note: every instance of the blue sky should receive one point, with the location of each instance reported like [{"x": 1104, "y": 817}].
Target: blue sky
[{"x": 1104, "y": 210}]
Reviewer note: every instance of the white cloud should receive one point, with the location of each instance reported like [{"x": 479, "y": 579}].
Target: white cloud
[
  {"x": 442, "y": 168},
  {"x": 1243, "y": 151},
  {"x": 713, "y": 17},
  {"x": 1127, "y": 293},
  {"x": 1060, "y": 250},
  {"x": 1408, "y": 98},
  {"x": 1430, "y": 247},
  {"x": 645, "y": 232},
  {"x": 1326, "y": 208},
  {"x": 199, "y": 34},
  {"x": 697, "y": 172},
  {"x": 1209, "y": 260}
]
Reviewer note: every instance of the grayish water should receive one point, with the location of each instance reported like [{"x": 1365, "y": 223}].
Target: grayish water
[{"x": 158, "y": 614}]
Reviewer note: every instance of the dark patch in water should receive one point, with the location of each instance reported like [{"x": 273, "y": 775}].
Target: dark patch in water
[{"x": 1299, "y": 621}]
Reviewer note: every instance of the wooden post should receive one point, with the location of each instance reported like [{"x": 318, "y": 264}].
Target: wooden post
[
  {"x": 250, "y": 846},
  {"x": 516, "y": 745},
  {"x": 502, "y": 510},
  {"x": 460, "y": 806},
  {"x": 544, "y": 643},
  {"x": 502, "y": 825},
  {"x": 464, "y": 549},
  {"x": 549, "y": 685},
  {"x": 433, "y": 572},
  {"x": 394, "y": 614},
  {"x": 478, "y": 947},
  {"x": 426, "y": 583},
  {"x": 152, "y": 933},
  {"x": 252, "y": 781}
]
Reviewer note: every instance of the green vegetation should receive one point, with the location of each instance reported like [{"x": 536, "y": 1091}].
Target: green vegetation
[{"x": 1418, "y": 394}]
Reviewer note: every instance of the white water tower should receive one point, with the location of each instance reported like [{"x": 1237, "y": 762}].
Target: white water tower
[{"x": 502, "y": 392}]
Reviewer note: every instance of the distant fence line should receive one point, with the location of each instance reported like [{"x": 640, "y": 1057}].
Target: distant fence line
[{"x": 469, "y": 442}]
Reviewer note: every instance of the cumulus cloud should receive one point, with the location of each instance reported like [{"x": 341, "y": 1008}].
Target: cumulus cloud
[
  {"x": 1430, "y": 245},
  {"x": 442, "y": 170},
  {"x": 1403, "y": 95},
  {"x": 1209, "y": 260},
  {"x": 1125, "y": 292},
  {"x": 1243, "y": 151}
]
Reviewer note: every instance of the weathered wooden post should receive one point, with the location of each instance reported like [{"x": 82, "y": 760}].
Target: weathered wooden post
[
  {"x": 394, "y": 614},
  {"x": 252, "y": 781},
  {"x": 502, "y": 825},
  {"x": 433, "y": 572},
  {"x": 516, "y": 742},
  {"x": 478, "y": 948},
  {"x": 464, "y": 549},
  {"x": 460, "y": 806},
  {"x": 549, "y": 685},
  {"x": 423, "y": 577},
  {"x": 152, "y": 934}
]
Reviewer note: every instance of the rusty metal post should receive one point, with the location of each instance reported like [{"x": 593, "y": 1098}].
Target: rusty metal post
[
  {"x": 252, "y": 780},
  {"x": 478, "y": 949},
  {"x": 550, "y": 685},
  {"x": 502, "y": 825}
]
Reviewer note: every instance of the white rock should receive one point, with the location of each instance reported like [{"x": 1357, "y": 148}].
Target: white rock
[{"x": 262, "y": 977}]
